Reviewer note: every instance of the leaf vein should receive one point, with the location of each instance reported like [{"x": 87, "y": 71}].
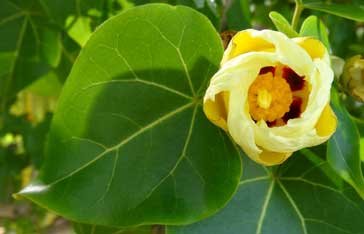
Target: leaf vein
[
  {"x": 125, "y": 141},
  {"x": 183, "y": 154},
  {"x": 264, "y": 207},
  {"x": 295, "y": 207},
  {"x": 180, "y": 56},
  {"x": 328, "y": 224}
]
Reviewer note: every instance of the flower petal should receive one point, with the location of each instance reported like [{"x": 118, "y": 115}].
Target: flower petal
[
  {"x": 327, "y": 123},
  {"x": 300, "y": 132},
  {"x": 248, "y": 52},
  {"x": 240, "y": 124},
  {"x": 244, "y": 42},
  {"x": 216, "y": 111},
  {"x": 313, "y": 47},
  {"x": 269, "y": 158}
]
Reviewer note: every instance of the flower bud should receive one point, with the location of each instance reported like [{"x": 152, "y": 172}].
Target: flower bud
[{"x": 353, "y": 77}]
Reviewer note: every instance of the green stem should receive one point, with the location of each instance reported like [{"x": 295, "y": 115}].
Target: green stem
[{"x": 297, "y": 13}]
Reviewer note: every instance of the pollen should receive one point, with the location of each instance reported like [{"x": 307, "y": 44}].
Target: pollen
[
  {"x": 269, "y": 97},
  {"x": 277, "y": 95},
  {"x": 264, "y": 99}
]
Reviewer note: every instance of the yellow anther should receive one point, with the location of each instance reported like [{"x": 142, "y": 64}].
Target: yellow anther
[
  {"x": 264, "y": 99},
  {"x": 269, "y": 97}
]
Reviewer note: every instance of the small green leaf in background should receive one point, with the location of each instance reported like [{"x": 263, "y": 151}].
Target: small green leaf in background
[
  {"x": 60, "y": 10},
  {"x": 129, "y": 143},
  {"x": 352, "y": 10},
  {"x": 51, "y": 47},
  {"x": 282, "y": 24},
  {"x": 298, "y": 198},
  {"x": 28, "y": 48},
  {"x": 80, "y": 29},
  {"x": 238, "y": 15},
  {"x": 313, "y": 27},
  {"x": 343, "y": 149}
]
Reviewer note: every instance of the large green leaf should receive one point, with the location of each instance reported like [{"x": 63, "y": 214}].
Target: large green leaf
[
  {"x": 353, "y": 11},
  {"x": 343, "y": 149},
  {"x": 129, "y": 143},
  {"x": 28, "y": 47},
  {"x": 313, "y": 27},
  {"x": 296, "y": 198}
]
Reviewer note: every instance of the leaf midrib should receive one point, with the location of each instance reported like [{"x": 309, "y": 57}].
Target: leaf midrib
[{"x": 125, "y": 141}]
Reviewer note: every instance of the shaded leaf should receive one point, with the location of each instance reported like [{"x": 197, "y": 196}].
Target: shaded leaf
[
  {"x": 238, "y": 15},
  {"x": 282, "y": 24},
  {"x": 296, "y": 198},
  {"x": 343, "y": 149},
  {"x": 313, "y": 27},
  {"x": 28, "y": 46},
  {"x": 61, "y": 10},
  {"x": 129, "y": 143},
  {"x": 353, "y": 11}
]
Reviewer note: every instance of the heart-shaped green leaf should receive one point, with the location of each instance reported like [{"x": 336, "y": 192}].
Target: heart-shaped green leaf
[
  {"x": 296, "y": 198},
  {"x": 346, "y": 10},
  {"x": 313, "y": 27},
  {"x": 282, "y": 24},
  {"x": 343, "y": 149},
  {"x": 129, "y": 143}
]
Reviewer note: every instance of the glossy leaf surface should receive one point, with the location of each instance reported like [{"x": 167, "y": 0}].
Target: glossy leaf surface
[
  {"x": 343, "y": 149},
  {"x": 129, "y": 143},
  {"x": 297, "y": 198}
]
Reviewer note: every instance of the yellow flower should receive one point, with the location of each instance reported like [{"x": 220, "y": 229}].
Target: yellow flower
[{"x": 272, "y": 94}]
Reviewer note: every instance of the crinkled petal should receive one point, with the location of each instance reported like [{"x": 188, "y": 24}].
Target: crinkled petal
[
  {"x": 287, "y": 50},
  {"x": 300, "y": 132},
  {"x": 235, "y": 78}
]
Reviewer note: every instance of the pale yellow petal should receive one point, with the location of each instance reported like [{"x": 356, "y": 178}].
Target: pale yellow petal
[
  {"x": 269, "y": 158},
  {"x": 240, "y": 124},
  {"x": 216, "y": 111},
  {"x": 327, "y": 123},
  {"x": 300, "y": 132},
  {"x": 244, "y": 42},
  {"x": 313, "y": 47}
]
